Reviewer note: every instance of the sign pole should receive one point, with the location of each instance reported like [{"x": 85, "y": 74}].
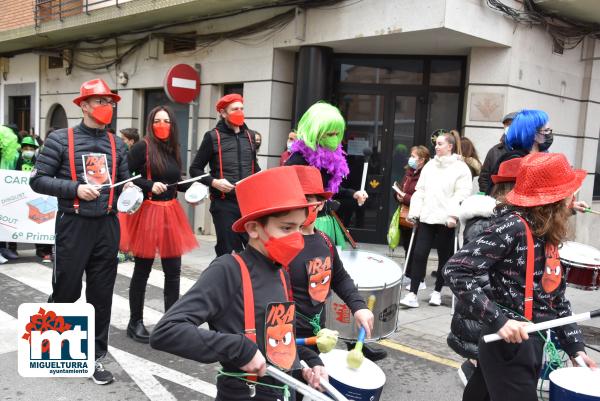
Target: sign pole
[{"x": 195, "y": 115}]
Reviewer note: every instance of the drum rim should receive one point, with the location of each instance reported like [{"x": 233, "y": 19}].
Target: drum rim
[
  {"x": 369, "y": 363},
  {"x": 136, "y": 204},
  {"x": 580, "y": 265},
  {"x": 360, "y": 251},
  {"x": 557, "y": 373}
]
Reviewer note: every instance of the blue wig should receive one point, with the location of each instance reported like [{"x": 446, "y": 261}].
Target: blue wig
[{"x": 521, "y": 133}]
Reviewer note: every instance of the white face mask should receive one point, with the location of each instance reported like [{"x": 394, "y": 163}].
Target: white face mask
[
  {"x": 289, "y": 145},
  {"x": 28, "y": 154}
]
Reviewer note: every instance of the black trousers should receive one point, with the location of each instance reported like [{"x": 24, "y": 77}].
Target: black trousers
[
  {"x": 224, "y": 213},
  {"x": 139, "y": 279},
  {"x": 510, "y": 371},
  {"x": 87, "y": 244},
  {"x": 423, "y": 242},
  {"x": 476, "y": 390}
]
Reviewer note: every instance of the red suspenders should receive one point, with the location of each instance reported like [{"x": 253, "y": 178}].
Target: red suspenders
[
  {"x": 113, "y": 152},
  {"x": 221, "y": 156},
  {"x": 248, "y": 294},
  {"x": 528, "y": 300}
]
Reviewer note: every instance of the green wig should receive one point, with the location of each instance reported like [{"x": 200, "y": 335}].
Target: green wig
[
  {"x": 9, "y": 147},
  {"x": 321, "y": 118}
]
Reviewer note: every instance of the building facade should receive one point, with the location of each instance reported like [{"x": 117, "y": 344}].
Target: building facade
[{"x": 398, "y": 70}]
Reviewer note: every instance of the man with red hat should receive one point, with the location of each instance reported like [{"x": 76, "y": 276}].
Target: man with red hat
[
  {"x": 230, "y": 151},
  {"x": 520, "y": 253},
  {"x": 71, "y": 166},
  {"x": 244, "y": 297}
]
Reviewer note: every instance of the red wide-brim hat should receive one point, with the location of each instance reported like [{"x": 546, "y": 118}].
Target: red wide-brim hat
[
  {"x": 507, "y": 171},
  {"x": 270, "y": 191},
  {"x": 544, "y": 178},
  {"x": 95, "y": 87},
  {"x": 311, "y": 181}
]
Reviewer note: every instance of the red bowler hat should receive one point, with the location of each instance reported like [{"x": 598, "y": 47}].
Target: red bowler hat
[
  {"x": 270, "y": 191},
  {"x": 545, "y": 178},
  {"x": 311, "y": 181},
  {"x": 507, "y": 172},
  {"x": 94, "y": 87},
  {"x": 227, "y": 100}
]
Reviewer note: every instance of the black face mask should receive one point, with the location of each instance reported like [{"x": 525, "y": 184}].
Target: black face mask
[{"x": 548, "y": 139}]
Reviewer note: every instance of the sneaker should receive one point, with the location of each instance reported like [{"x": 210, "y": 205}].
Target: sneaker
[
  {"x": 406, "y": 281},
  {"x": 8, "y": 253},
  {"x": 422, "y": 286},
  {"x": 3, "y": 260},
  {"x": 47, "y": 258},
  {"x": 465, "y": 371},
  {"x": 410, "y": 300},
  {"x": 101, "y": 376},
  {"x": 435, "y": 299}
]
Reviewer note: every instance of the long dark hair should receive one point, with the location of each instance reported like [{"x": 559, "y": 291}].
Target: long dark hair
[{"x": 159, "y": 151}]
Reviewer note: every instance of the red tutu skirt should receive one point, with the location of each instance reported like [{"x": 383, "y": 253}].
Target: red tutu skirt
[
  {"x": 158, "y": 228},
  {"x": 124, "y": 232}
]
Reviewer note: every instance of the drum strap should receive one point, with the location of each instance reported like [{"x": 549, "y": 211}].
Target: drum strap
[
  {"x": 113, "y": 153},
  {"x": 528, "y": 301},
  {"x": 328, "y": 242},
  {"x": 148, "y": 169},
  {"x": 248, "y": 294},
  {"x": 221, "y": 176}
]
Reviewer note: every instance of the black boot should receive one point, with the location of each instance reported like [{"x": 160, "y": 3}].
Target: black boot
[
  {"x": 369, "y": 351},
  {"x": 137, "y": 331}
]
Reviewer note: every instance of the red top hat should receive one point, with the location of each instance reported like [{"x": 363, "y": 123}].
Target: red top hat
[
  {"x": 270, "y": 191},
  {"x": 544, "y": 178},
  {"x": 227, "y": 100},
  {"x": 95, "y": 87},
  {"x": 507, "y": 172},
  {"x": 311, "y": 181}
]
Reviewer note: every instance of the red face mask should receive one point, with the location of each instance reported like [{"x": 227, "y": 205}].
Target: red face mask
[
  {"x": 236, "y": 118},
  {"x": 103, "y": 114},
  {"x": 161, "y": 130},
  {"x": 312, "y": 216},
  {"x": 284, "y": 249}
]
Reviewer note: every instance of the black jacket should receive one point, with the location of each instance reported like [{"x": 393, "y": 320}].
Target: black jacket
[
  {"x": 316, "y": 251},
  {"x": 485, "y": 179},
  {"x": 217, "y": 299},
  {"x": 238, "y": 154},
  {"x": 501, "y": 252},
  {"x": 172, "y": 173},
  {"x": 52, "y": 174}
]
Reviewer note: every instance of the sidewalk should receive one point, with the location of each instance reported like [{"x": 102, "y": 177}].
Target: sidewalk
[{"x": 426, "y": 327}]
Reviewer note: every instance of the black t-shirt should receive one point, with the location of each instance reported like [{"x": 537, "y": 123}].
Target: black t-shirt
[{"x": 314, "y": 273}]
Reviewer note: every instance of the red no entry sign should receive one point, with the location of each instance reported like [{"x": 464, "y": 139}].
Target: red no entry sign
[{"x": 182, "y": 83}]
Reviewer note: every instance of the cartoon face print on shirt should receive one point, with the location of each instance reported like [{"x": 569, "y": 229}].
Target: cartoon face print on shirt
[
  {"x": 96, "y": 169},
  {"x": 552, "y": 271},
  {"x": 319, "y": 278},
  {"x": 280, "y": 341}
]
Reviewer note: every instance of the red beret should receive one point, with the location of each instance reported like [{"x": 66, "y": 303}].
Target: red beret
[{"x": 228, "y": 99}]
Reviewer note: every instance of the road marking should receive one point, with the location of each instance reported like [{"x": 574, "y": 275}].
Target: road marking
[
  {"x": 142, "y": 371},
  {"x": 156, "y": 277},
  {"x": 39, "y": 277},
  {"x": 418, "y": 353},
  {"x": 8, "y": 333}
]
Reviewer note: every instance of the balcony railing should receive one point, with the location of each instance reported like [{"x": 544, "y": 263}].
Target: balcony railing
[{"x": 49, "y": 10}]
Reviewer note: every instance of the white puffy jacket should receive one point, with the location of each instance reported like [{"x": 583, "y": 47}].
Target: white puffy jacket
[{"x": 444, "y": 183}]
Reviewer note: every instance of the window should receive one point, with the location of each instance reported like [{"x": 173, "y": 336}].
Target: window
[
  {"x": 445, "y": 72},
  {"x": 237, "y": 87},
  {"x": 366, "y": 71},
  {"x": 55, "y": 62},
  {"x": 180, "y": 43}
]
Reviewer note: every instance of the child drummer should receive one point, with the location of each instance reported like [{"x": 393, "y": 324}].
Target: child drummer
[
  {"x": 318, "y": 268},
  {"x": 244, "y": 297}
]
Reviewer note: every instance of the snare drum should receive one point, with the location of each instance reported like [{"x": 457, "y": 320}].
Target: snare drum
[
  {"x": 196, "y": 193},
  {"x": 365, "y": 383},
  {"x": 130, "y": 200},
  {"x": 373, "y": 274},
  {"x": 582, "y": 265},
  {"x": 575, "y": 384}
]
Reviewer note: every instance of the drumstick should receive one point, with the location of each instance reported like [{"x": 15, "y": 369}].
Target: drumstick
[
  {"x": 116, "y": 184},
  {"x": 345, "y": 230},
  {"x": 367, "y": 153},
  {"x": 589, "y": 210},
  {"x": 188, "y": 180},
  {"x": 355, "y": 357},
  {"x": 580, "y": 317},
  {"x": 327, "y": 386},
  {"x": 296, "y": 384}
]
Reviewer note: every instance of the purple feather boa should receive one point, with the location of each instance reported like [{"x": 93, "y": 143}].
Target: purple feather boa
[{"x": 334, "y": 162}]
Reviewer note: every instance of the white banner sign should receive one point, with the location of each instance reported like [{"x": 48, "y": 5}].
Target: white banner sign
[{"x": 25, "y": 216}]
